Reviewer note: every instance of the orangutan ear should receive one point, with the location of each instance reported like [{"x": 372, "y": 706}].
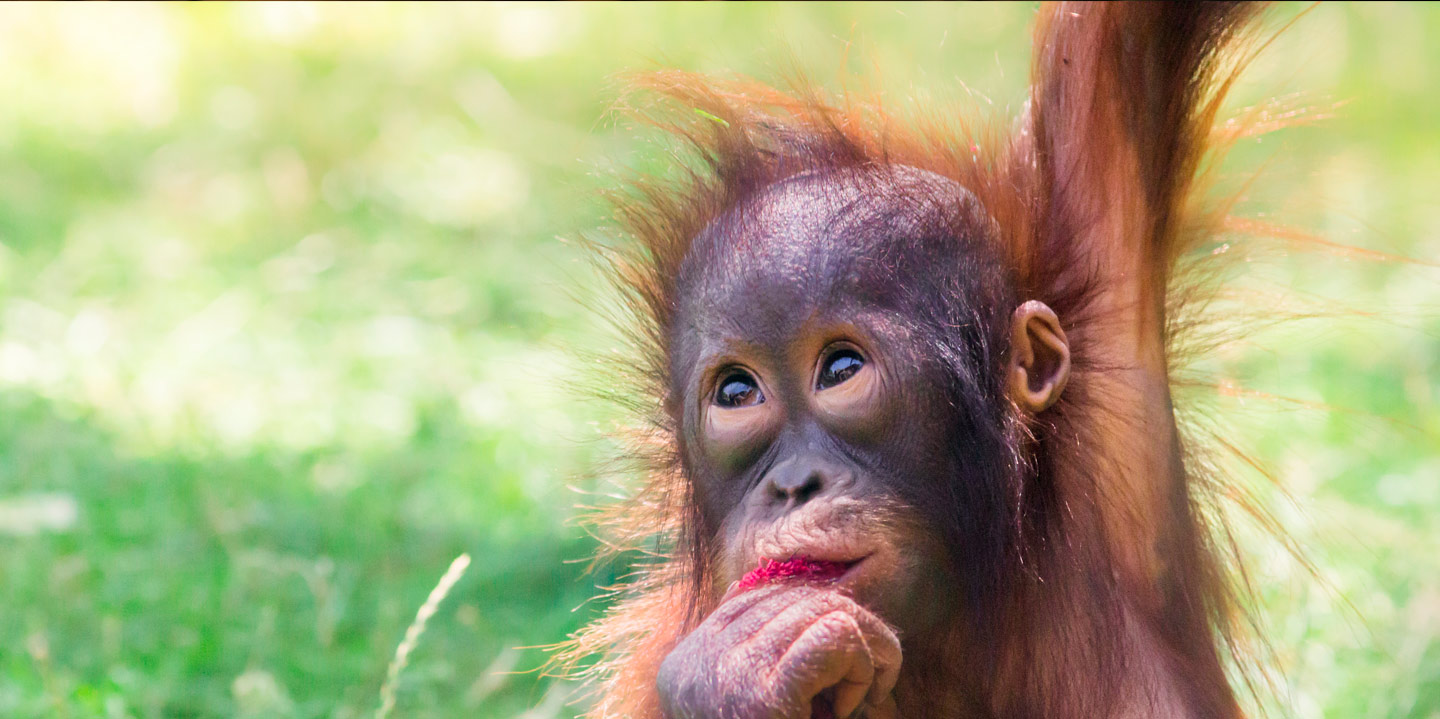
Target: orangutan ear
[{"x": 1039, "y": 357}]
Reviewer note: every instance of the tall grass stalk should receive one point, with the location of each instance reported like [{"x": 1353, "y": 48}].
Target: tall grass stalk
[{"x": 413, "y": 632}]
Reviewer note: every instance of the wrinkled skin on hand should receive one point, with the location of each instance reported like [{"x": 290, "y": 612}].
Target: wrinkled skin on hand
[{"x": 786, "y": 651}]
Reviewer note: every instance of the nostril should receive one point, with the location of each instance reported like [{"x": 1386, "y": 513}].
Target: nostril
[
  {"x": 808, "y": 488},
  {"x": 779, "y": 493},
  {"x": 795, "y": 483}
]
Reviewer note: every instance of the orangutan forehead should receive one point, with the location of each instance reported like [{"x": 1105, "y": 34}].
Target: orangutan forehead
[{"x": 826, "y": 227}]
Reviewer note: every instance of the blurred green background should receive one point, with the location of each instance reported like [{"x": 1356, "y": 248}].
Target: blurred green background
[{"x": 288, "y": 320}]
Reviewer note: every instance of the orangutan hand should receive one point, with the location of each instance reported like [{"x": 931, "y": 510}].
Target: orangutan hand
[{"x": 788, "y": 651}]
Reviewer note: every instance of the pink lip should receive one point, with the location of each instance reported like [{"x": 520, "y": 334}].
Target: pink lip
[{"x": 800, "y": 568}]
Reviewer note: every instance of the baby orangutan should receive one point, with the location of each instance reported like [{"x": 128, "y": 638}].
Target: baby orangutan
[{"x": 918, "y": 452}]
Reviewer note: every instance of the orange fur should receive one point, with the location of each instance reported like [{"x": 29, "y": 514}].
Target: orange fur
[{"x": 1124, "y": 570}]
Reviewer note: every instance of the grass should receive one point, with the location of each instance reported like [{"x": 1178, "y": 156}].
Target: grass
[{"x": 287, "y": 323}]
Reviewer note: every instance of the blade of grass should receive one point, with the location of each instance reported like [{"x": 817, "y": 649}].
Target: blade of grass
[{"x": 413, "y": 632}]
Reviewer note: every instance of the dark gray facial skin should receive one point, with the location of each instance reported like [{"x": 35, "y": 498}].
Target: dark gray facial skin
[
  {"x": 884, "y": 264},
  {"x": 837, "y": 367}
]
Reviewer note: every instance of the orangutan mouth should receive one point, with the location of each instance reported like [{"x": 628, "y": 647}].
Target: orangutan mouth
[{"x": 802, "y": 569}]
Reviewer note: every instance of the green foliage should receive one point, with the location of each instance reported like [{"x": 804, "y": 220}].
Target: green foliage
[{"x": 286, "y": 324}]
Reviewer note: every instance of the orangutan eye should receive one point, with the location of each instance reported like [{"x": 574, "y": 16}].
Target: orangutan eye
[
  {"x": 738, "y": 389},
  {"x": 840, "y": 365}
]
